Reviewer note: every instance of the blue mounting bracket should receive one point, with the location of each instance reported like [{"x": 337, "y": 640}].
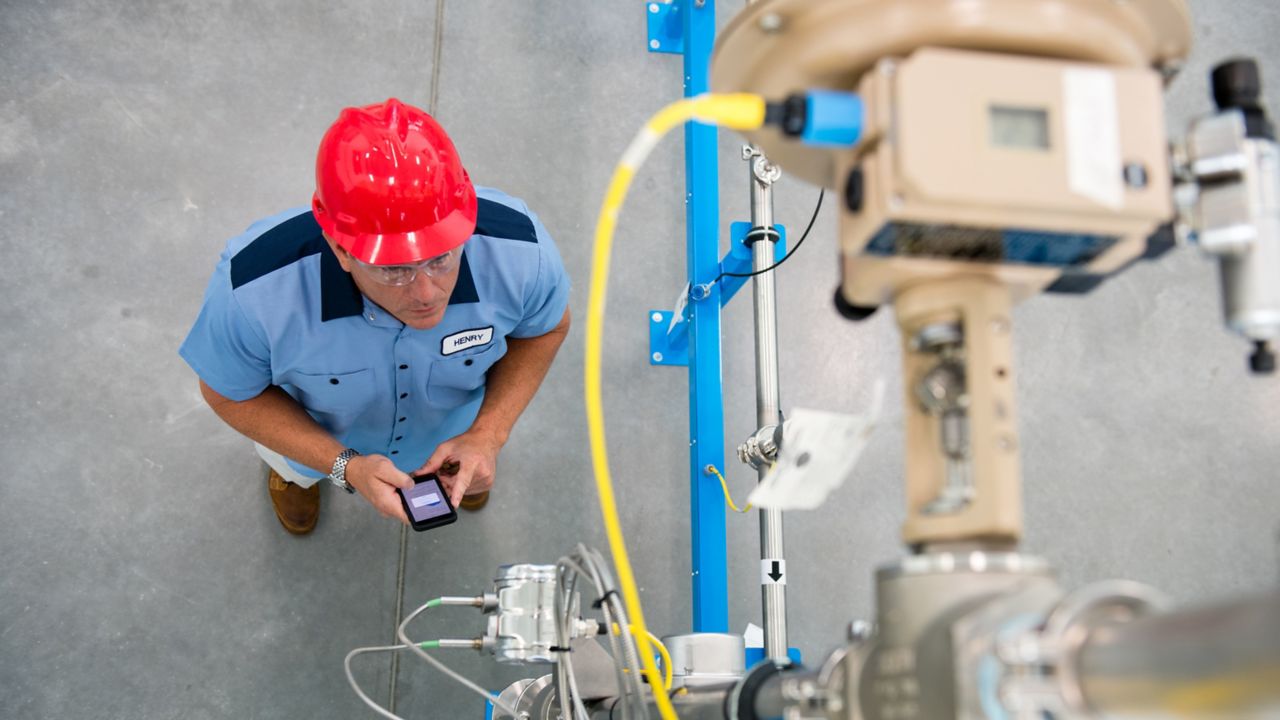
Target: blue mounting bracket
[
  {"x": 666, "y": 27},
  {"x": 669, "y": 342},
  {"x": 738, "y": 259}
]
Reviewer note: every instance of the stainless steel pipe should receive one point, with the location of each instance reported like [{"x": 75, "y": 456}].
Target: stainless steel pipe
[{"x": 1221, "y": 661}]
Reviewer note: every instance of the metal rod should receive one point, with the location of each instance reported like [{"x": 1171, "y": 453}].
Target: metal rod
[
  {"x": 1222, "y": 661},
  {"x": 460, "y": 644},
  {"x": 768, "y": 410}
]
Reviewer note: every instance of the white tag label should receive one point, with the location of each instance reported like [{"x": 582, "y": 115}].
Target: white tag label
[
  {"x": 678, "y": 313},
  {"x": 819, "y": 450},
  {"x": 458, "y": 342},
  {"x": 1092, "y": 125},
  {"x": 773, "y": 572}
]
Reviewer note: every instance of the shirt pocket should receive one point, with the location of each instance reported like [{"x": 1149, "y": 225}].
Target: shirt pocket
[
  {"x": 342, "y": 394},
  {"x": 455, "y": 379}
]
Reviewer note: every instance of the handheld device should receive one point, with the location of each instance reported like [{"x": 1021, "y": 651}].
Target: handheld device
[{"x": 427, "y": 504}]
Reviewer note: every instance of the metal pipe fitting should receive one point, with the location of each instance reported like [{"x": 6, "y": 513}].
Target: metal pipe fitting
[
  {"x": 761, "y": 449},
  {"x": 1215, "y": 662}
]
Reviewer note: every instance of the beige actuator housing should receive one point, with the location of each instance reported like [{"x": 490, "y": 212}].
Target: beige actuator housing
[
  {"x": 1022, "y": 169},
  {"x": 1008, "y": 146},
  {"x": 1018, "y": 139}
]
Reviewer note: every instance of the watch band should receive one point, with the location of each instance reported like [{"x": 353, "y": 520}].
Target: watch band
[{"x": 339, "y": 473}]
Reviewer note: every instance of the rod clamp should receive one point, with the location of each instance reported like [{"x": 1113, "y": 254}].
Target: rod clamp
[{"x": 761, "y": 449}]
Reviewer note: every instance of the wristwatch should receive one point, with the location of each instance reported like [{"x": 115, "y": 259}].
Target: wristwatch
[{"x": 339, "y": 473}]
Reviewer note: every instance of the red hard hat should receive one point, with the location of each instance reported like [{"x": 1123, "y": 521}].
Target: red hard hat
[{"x": 390, "y": 188}]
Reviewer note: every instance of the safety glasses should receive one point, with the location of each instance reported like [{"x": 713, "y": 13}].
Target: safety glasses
[{"x": 400, "y": 275}]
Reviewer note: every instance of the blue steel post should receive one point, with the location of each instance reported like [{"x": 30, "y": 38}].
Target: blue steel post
[{"x": 706, "y": 406}]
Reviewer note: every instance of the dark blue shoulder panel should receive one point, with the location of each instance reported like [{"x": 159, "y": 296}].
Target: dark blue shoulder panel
[
  {"x": 497, "y": 220},
  {"x": 282, "y": 245}
]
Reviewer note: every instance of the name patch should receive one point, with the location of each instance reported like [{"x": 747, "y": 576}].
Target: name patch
[{"x": 458, "y": 342}]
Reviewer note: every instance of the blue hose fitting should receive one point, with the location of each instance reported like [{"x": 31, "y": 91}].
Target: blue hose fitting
[{"x": 826, "y": 118}]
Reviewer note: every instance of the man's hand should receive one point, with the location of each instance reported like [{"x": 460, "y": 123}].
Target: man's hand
[
  {"x": 376, "y": 478},
  {"x": 472, "y": 457}
]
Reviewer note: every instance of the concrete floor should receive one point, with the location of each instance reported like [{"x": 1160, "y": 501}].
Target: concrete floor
[{"x": 143, "y": 574}]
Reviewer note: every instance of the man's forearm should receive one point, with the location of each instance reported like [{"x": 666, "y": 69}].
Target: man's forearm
[
  {"x": 514, "y": 379},
  {"x": 276, "y": 420}
]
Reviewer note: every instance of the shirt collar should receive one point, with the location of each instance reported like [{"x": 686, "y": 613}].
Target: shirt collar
[{"x": 340, "y": 297}]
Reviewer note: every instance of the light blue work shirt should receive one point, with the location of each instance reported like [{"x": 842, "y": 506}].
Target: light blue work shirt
[{"x": 280, "y": 310}]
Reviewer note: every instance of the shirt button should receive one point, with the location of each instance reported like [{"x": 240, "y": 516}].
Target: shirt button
[
  {"x": 404, "y": 367},
  {"x": 333, "y": 381},
  {"x": 404, "y": 395},
  {"x": 399, "y": 438},
  {"x": 370, "y": 316},
  {"x": 401, "y": 419},
  {"x": 469, "y": 362},
  {"x": 395, "y": 452}
]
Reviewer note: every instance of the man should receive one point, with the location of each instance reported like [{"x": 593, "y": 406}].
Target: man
[{"x": 400, "y": 325}]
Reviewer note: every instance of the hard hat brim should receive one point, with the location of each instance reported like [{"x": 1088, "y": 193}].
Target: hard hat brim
[{"x": 400, "y": 248}]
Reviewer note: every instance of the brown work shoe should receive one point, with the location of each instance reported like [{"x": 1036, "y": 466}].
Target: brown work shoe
[
  {"x": 298, "y": 508},
  {"x": 474, "y": 502}
]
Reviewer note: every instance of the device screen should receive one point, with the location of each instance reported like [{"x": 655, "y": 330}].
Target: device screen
[
  {"x": 1017, "y": 127},
  {"x": 427, "y": 501}
]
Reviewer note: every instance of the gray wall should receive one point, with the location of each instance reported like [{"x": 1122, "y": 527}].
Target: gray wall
[{"x": 143, "y": 574}]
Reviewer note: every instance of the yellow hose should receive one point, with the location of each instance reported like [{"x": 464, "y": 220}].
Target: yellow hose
[
  {"x": 724, "y": 485},
  {"x": 742, "y": 112},
  {"x": 668, "y": 674}
]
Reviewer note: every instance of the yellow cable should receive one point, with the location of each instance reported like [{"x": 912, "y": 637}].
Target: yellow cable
[
  {"x": 667, "y": 671},
  {"x": 741, "y": 112},
  {"x": 724, "y": 485}
]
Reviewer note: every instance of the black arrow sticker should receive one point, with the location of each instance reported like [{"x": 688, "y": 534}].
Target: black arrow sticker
[{"x": 773, "y": 572}]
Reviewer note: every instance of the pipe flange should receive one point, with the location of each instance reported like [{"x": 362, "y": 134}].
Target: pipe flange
[
  {"x": 1070, "y": 623},
  {"x": 739, "y": 703}
]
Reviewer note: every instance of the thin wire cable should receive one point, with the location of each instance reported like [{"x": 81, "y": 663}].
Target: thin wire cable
[
  {"x": 614, "y": 647},
  {"x": 821, "y": 194},
  {"x": 619, "y": 661},
  {"x": 566, "y": 679},
  {"x": 489, "y": 697},
  {"x": 351, "y": 678},
  {"x": 625, "y": 667},
  {"x": 575, "y": 697},
  {"x": 626, "y": 664},
  {"x": 632, "y": 657},
  {"x": 583, "y": 558},
  {"x": 724, "y": 485},
  {"x": 618, "y": 613},
  {"x": 662, "y": 653},
  {"x": 668, "y": 672}
]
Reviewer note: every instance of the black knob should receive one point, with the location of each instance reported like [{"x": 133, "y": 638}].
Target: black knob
[
  {"x": 1238, "y": 85},
  {"x": 854, "y": 190},
  {"x": 1263, "y": 360},
  {"x": 849, "y": 311}
]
